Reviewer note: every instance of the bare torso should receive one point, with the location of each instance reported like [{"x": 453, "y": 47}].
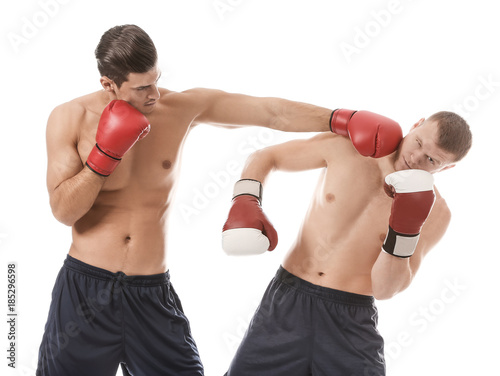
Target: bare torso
[
  {"x": 119, "y": 222},
  {"x": 125, "y": 229},
  {"x": 347, "y": 221}
]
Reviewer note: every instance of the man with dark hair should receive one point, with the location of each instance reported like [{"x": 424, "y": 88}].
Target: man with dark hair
[
  {"x": 113, "y": 163},
  {"x": 363, "y": 237},
  {"x": 125, "y": 49}
]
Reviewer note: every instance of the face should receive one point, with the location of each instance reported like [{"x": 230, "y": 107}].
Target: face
[
  {"x": 419, "y": 150},
  {"x": 140, "y": 90}
]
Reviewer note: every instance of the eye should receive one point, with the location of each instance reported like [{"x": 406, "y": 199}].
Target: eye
[{"x": 431, "y": 161}]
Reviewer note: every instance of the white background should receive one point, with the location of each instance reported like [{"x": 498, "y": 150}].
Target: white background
[{"x": 404, "y": 59}]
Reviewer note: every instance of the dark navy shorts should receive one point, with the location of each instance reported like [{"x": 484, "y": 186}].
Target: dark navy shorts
[
  {"x": 303, "y": 329},
  {"x": 100, "y": 320}
]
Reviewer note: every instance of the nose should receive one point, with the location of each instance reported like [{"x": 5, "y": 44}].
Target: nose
[
  {"x": 416, "y": 159},
  {"x": 154, "y": 93}
]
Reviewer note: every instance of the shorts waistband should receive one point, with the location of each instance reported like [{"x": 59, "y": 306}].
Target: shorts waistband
[
  {"x": 327, "y": 293},
  {"x": 103, "y": 274}
]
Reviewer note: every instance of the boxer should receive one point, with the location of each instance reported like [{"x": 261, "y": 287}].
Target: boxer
[
  {"x": 369, "y": 225},
  {"x": 113, "y": 165}
]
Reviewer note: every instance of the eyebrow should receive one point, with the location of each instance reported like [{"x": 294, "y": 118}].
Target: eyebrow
[
  {"x": 144, "y": 87},
  {"x": 434, "y": 159}
]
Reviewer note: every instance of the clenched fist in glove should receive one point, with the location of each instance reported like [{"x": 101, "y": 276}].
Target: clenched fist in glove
[{"x": 247, "y": 230}]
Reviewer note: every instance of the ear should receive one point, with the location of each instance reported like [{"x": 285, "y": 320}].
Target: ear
[
  {"x": 417, "y": 124},
  {"x": 448, "y": 167},
  {"x": 108, "y": 84}
]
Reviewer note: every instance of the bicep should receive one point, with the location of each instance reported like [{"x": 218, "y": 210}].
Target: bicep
[
  {"x": 303, "y": 154},
  {"x": 296, "y": 155},
  {"x": 225, "y": 109},
  {"x": 63, "y": 160}
]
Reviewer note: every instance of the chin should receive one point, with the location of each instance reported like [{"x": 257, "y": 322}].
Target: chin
[
  {"x": 148, "y": 109},
  {"x": 401, "y": 165}
]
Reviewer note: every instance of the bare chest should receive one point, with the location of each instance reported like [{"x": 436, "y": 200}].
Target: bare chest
[
  {"x": 348, "y": 216},
  {"x": 151, "y": 164}
]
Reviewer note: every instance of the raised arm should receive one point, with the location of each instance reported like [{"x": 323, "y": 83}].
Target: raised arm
[
  {"x": 393, "y": 272},
  {"x": 295, "y": 155},
  {"x": 227, "y": 109},
  {"x": 372, "y": 134},
  {"x": 72, "y": 187},
  {"x": 247, "y": 229}
]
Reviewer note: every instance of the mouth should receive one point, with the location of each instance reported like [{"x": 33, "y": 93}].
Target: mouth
[
  {"x": 406, "y": 163},
  {"x": 149, "y": 104}
]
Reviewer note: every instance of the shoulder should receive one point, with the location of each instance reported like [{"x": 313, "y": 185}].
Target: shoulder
[
  {"x": 332, "y": 148},
  {"x": 67, "y": 118},
  {"x": 328, "y": 143},
  {"x": 188, "y": 99},
  {"x": 69, "y": 110},
  {"x": 77, "y": 109},
  {"x": 441, "y": 209},
  {"x": 64, "y": 118},
  {"x": 337, "y": 148},
  {"x": 195, "y": 95}
]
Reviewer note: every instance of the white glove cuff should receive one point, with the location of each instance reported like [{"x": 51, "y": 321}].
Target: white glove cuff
[
  {"x": 248, "y": 187},
  {"x": 409, "y": 181},
  {"x": 244, "y": 241}
]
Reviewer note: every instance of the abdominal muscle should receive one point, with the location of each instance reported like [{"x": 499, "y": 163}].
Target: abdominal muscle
[
  {"x": 338, "y": 269},
  {"x": 123, "y": 235},
  {"x": 339, "y": 242}
]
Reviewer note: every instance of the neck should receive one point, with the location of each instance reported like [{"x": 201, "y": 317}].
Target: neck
[{"x": 387, "y": 163}]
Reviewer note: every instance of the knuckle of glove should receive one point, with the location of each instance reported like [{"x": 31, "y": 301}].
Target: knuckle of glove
[{"x": 407, "y": 181}]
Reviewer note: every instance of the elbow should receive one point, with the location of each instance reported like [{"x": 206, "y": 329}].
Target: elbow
[
  {"x": 384, "y": 288},
  {"x": 277, "y": 115},
  {"x": 66, "y": 217},
  {"x": 258, "y": 165},
  {"x": 383, "y": 293}
]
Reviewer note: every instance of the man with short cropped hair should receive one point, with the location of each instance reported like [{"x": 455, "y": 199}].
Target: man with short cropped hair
[{"x": 363, "y": 238}]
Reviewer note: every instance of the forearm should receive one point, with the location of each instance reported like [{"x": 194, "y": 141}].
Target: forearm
[
  {"x": 74, "y": 197},
  {"x": 390, "y": 275},
  {"x": 220, "y": 108},
  {"x": 293, "y": 116},
  {"x": 258, "y": 166}
]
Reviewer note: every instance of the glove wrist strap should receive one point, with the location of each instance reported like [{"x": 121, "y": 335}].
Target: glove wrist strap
[
  {"x": 248, "y": 187},
  {"x": 400, "y": 245},
  {"x": 100, "y": 162}
]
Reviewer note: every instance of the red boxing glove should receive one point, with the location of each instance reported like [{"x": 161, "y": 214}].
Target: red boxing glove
[
  {"x": 120, "y": 127},
  {"x": 371, "y": 134},
  {"x": 413, "y": 198},
  {"x": 247, "y": 230}
]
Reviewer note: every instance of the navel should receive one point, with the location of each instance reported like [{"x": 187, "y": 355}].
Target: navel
[
  {"x": 127, "y": 239},
  {"x": 166, "y": 164},
  {"x": 330, "y": 197},
  {"x": 321, "y": 274}
]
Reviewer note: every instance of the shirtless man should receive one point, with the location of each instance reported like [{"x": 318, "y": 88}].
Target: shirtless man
[
  {"x": 318, "y": 314},
  {"x": 113, "y": 162}
]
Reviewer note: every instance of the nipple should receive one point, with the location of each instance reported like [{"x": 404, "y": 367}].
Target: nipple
[{"x": 330, "y": 197}]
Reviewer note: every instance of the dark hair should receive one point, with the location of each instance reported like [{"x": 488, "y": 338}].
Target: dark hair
[
  {"x": 125, "y": 49},
  {"x": 454, "y": 133}
]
